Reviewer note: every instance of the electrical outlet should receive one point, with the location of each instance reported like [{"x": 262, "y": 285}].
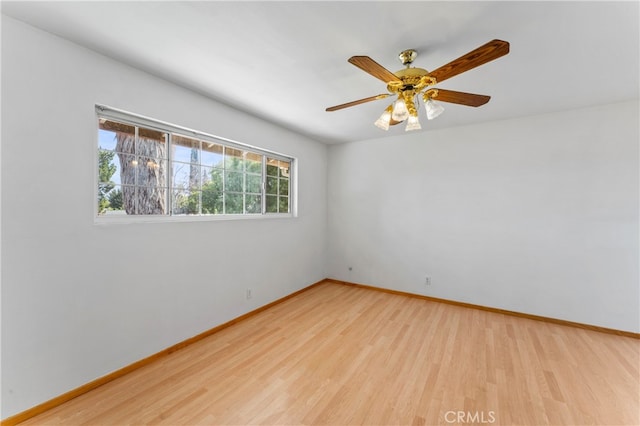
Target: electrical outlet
[
  {"x": 249, "y": 293},
  {"x": 427, "y": 281}
]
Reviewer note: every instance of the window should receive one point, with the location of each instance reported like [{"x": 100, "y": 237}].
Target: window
[{"x": 147, "y": 168}]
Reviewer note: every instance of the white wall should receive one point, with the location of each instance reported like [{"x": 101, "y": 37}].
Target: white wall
[
  {"x": 81, "y": 300},
  {"x": 537, "y": 215}
]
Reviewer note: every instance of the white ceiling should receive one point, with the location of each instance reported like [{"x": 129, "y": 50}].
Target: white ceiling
[{"x": 287, "y": 61}]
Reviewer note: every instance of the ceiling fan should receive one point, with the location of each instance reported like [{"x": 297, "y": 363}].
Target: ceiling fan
[{"x": 411, "y": 83}]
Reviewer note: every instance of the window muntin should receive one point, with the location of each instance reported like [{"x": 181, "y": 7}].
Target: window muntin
[{"x": 144, "y": 170}]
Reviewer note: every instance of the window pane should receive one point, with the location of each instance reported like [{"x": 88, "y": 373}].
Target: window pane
[
  {"x": 211, "y": 154},
  {"x": 107, "y": 140},
  {"x": 233, "y": 159},
  {"x": 284, "y": 186},
  {"x": 233, "y": 181},
  {"x": 283, "y": 206},
  {"x": 284, "y": 168},
  {"x": 178, "y": 201},
  {"x": 127, "y": 171},
  {"x": 110, "y": 132},
  {"x": 195, "y": 176},
  {"x": 180, "y": 174},
  {"x": 150, "y": 143},
  {"x": 278, "y": 167},
  {"x": 141, "y": 201},
  {"x": 253, "y": 204},
  {"x": 184, "y": 201},
  {"x": 212, "y": 176},
  {"x": 186, "y": 175},
  {"x": 233, "y": 203},
  {"x": 207, "y": 175},
  {"x": 272, "y": 185},
  {"x": 272, "y": 204},
  {"x": 253, "y": 162},
  {"x": 254, "y": 184},
  {"x": 144, "y": 184},
  {"x": 149, "y": 200},
  {"x": 150, "y": 172},
  {"x": 185, "y": 150},
  {"x": 110, "y": 200},
  {"x": 212, "y": 198},
  {"x": 272, "y": 170},
  {"x": 108, "y": 167}
]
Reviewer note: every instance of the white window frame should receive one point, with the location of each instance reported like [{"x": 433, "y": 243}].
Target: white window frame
[{"x": 109, "y": 113}]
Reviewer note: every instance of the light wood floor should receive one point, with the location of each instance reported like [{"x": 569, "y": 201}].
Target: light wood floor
[{"x": 340, "y": 355}]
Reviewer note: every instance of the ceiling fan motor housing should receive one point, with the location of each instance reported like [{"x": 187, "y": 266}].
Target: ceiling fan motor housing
[{"x": 411, "y": 79}]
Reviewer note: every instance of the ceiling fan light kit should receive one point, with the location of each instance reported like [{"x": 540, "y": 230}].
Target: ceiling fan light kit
[
  {"x": 432, "y": 108},
  {"x": 411, "y": 83},
  {"x": 400, "y": 111},
  {"x": 413, "y": 123},
  {"x": 383, "y": 121}
]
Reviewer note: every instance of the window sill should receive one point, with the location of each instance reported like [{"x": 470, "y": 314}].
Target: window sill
[{"x": 125, "y": 219}]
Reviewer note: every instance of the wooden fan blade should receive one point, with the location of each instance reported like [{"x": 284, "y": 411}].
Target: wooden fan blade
[
  {"x": 483, "y": 54},
  {"x": 370, "y": 66},
  {"x": 358, "y": 102},
  {"x": 462, "y": 98}
]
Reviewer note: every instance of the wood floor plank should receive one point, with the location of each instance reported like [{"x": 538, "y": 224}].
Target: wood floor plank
[{"x": 343, "y": 355}]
